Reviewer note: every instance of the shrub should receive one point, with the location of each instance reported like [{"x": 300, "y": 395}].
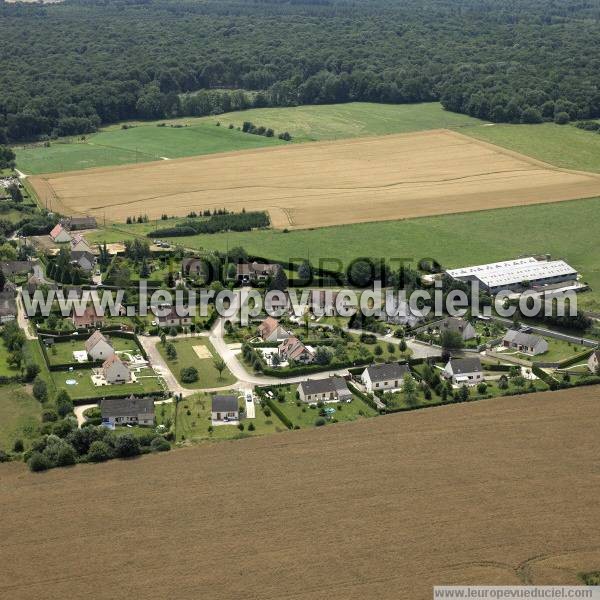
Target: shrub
[
  {"x": 189, "y": 374},
  {"x": 320, "y": 422},
  {"x": 38, "y": 462},
  {"x": 65, "y": 456},
  {"x": 99, "y": 452},
  {"x": 241, "y": 426},
  {"x": 159, "y": 444},
  {"x": 18, "y": 446},
  {"x": 482, "y": 387},
  {"x": 251, "y": 427},
  {"x": 4, "y": 457},
  {"x": 127, "y": 445},
  {"x": 49, "y": 415},
  {"x": 40, "y": 389}
]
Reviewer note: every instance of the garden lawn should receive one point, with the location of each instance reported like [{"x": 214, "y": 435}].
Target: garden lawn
[
  {"x": 20, "y": 414},
  {"x": 147, "y": 382},
  {"x": 62, "y": 352},
  {"x": 208, "y": 376},
  {"x": 557, "y": 350},
  {"x": 194, "y": 426},
  {"x": 304, "y": 416}
]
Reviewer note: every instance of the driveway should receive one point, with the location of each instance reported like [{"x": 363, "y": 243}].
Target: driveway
[
  {"x": 79, "y": 410},
  {"x": 22, "y": 321}
]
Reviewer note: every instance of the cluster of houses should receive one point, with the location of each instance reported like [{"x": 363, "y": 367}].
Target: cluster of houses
[
  {"x": 113, "y": 370},
  {"x": 290, "y": 347},
  {"x": 81, "y": 252},
  {"x": 8, "y": 294}
]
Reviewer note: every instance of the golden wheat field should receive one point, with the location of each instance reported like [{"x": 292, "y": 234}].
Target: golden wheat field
[
  {"x": 503, "y": 491},
  {"x": 324, "y": 183}
]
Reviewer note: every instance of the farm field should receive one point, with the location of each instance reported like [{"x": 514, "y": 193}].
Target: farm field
[
  {"x": 491, "y": 461},
  {"x": 189, "y": 136},
  {"x": 330, "y": 183},
  {"x": 454, "y": 240},
  {"x": 208, "y": 376}
]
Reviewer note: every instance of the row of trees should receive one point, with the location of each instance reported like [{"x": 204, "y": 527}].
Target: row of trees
[{"x": 506, "y": 62}]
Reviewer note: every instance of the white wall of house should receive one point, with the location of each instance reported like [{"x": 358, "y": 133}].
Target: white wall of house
[
  {"x": 220, "y": 416},
  {"x": 391, "y": 384}
]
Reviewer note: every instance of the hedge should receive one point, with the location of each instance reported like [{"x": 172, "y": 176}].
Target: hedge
[
  {"x": 98, "y": 399},
  {"x": 308, "y": 369},
  {"x": 282, "y": 417},
  {"x": 567, "y": 362},
  {"x": 495, "y": 367},
  {"x": 547, "y": 379}
]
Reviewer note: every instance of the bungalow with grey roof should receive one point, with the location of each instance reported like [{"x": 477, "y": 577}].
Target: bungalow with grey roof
[
  {"x": 464, "y": 371},
  {"x": 330, "y": 389},
  {"x": 389, "y": 376},
  {"x": 127, "y": 411},
  {"x": 458, "y": 325},
  {"x": 224, "y": 409},
  {"x": 524, "y": 342}
]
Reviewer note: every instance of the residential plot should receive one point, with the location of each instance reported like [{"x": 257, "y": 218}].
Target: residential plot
[{"x": 328, "y": 183}]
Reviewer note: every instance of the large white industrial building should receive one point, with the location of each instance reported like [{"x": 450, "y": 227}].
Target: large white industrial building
[{"x": 516, "y": 274}]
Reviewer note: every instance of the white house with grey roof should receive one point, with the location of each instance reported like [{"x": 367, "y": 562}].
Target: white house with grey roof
[
  {"x": 526, "y": 343},
  {"x": 385, "y": 377},
  {"x": 225, "y": 410},
  {"x": 517, "y": 274},
  {"x": 458, "y": 325},
  {"x": 330, "y": 389},
  {"x": 127, "y": 411},
  {"x": 98, "y": 347},
  {"x": 464, "y": 371}
]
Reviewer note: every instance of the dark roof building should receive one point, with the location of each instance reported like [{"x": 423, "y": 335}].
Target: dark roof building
[
  {"x": 127, "y": 410},
  {"x": 387, "y": 372},
  {"x": 331, "y": 388},
  {"x": 465, "y": 365},
  {"x": 224, "y": 404},
  {"x": 74, "y": 223}
]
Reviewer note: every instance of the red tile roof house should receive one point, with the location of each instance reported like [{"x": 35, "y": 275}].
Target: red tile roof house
[
  {"x": 271, "y": 331},
  {"x": 294, "y": 349},
  {"x": 89, "y": 318},
  {"x": 59, "y": 234}
]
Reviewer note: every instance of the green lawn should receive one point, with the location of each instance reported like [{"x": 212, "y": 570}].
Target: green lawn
[
  {"x": 19, "y": 415},
  {"x": 562, "y": 145},
  {"x": 208, "y": 376},
  {"x": 194, "y": 426},
  {"x": 5, "y": 369},
  {"x": 62, "y": 352},
  {"x": 147, "y": 382},
  {"x": 557, "y": 350},
  {"x": 147, "y": 142},
  {"x": 304, "y": 416}
]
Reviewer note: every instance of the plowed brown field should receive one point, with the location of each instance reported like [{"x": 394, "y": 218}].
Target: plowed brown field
[
  {"x": 325, "y": 183},
  {"x": 497, "y": 492}
]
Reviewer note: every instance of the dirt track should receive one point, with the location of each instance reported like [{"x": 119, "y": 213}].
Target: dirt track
[
  {"x": 500, "y": 491},
  {"x": 324, "y": 183}
]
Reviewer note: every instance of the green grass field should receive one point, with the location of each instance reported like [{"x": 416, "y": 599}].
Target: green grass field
[
  {"x": 566, "y": 230},
  {"x": 561, "y": 145},
  {"x": 143, "y": 143},
  {"x": 19, "y": 415},
  {"x": 147, "y": 142},
  {"x": 208, "y": 376}
]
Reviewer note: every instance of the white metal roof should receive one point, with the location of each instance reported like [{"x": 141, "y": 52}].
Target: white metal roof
[{"x": 510, "y": 272}]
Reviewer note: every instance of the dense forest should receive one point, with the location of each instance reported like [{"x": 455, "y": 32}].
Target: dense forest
[{"x": 68, "y": 68}]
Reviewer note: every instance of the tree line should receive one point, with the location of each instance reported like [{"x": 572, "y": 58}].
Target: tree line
[{"x": 70, "y": 67}]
